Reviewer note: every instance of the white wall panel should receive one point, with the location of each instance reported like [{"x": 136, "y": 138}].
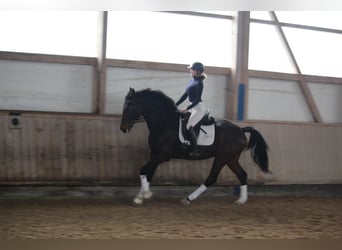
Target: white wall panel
[
  {"x": 328, "y": 98},
  {"x": 46, "y": 86},
  {"x": 171, "y": 83},
  {"x": 276, "y": 100}
]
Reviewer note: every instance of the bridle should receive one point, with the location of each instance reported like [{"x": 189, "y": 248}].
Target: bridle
[{"x": 133, "y": 106}]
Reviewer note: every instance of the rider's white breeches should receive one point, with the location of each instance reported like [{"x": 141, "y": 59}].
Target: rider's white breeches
[{"x": 197, "y": 114}]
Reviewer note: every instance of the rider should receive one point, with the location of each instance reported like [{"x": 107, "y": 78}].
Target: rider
[{"x": 194, "y": 92}]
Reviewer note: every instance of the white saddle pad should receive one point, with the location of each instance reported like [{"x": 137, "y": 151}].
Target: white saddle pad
[{"x": 205, "y": 137}]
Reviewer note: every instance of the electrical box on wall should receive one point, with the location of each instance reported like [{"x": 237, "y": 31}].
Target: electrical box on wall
[{"x": 14, "y": 120}]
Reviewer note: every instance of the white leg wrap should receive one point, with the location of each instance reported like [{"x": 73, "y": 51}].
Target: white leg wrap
[
  {"x": 144, "y": 193},
  {"x": 243, "y": 195},
  {"x": 145, "y": 185},
  {"x": 197, "y": 192}
]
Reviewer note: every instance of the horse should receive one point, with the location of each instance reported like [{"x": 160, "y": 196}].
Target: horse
[{"x": 162, "y": 117}]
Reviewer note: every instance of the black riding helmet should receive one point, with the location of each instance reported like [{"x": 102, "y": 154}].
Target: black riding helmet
[{"x": 197, "y": 66}]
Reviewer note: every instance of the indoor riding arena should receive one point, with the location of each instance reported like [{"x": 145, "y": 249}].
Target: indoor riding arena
[{"x": 67, "y": 170}]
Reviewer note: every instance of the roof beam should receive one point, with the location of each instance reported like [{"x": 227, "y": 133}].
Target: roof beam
[{"x": 297, "y": 26}]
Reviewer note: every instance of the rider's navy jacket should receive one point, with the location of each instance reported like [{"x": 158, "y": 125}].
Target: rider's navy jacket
[{"x": 193, "y": 91}]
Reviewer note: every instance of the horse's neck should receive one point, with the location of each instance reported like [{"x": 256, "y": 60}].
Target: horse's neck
[{"x": 157, "y": 122}]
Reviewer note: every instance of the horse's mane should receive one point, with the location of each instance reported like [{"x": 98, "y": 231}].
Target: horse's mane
[{"x": 158, "y": 98}]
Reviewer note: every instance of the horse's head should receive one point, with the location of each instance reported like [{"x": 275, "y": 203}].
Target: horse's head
[{"x": 131, "y": 113}]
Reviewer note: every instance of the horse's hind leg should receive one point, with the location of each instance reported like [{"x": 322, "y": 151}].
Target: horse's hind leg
[
  {"x": 242, "y": 176},
  {"x": 211, "y": 179}
]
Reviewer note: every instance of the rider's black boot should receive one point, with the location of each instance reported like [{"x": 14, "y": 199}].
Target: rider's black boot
[{"x": 193, "y": 140}]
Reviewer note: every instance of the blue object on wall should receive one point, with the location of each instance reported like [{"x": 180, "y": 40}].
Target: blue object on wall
[{"x": 241, "y": 102}]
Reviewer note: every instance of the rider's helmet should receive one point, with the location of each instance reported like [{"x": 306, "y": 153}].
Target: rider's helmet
[{"x": 197, "y": 66}]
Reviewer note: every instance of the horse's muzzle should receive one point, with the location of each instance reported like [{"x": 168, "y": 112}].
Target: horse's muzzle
[
  {"x": 124, "y": 130},
  {"x": 125, "y": 126}
]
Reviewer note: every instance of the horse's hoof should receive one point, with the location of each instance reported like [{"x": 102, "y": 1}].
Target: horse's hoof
[
  {"x": 240, "y": 201},
  {"x": 147, "y": 195},
  {"x": 185, "y": 202},
  {"x": 137, "y": 201}
]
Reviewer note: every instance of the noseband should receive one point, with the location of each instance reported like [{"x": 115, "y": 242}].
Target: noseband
[{"x": 134, "y": 108}]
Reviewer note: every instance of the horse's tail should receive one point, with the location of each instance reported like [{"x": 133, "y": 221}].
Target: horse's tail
[{"x": 258, "y": 147}]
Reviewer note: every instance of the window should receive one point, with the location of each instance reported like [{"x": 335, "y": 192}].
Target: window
[
  {"x": 49, "y": 32},
  {"x": 167, "y": 37},
  {"x": 266, "y": 51},
  {"x": 317, "y": 53},
  {"x": 324, "y": 19},
  {"x": 262, "y": 15}
]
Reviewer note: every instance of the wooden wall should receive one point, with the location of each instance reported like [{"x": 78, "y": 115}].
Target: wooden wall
[
  {"x": 58, "y": 148},
  {"x": 64, "y": 148}
]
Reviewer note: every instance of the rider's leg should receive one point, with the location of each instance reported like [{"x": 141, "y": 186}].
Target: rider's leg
[
  {"x": 197, "y": 114},
  {"x": 193, "y": 141}
]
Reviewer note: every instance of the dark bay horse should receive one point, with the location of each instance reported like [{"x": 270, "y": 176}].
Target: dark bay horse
[{"x": 162, "y": 118}]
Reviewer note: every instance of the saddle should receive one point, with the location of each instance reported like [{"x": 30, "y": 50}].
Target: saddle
[{"x": 204, "y": 129}]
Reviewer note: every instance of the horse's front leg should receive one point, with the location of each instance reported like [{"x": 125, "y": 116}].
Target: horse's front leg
[
  {"x": 146, "y": 175},
  {"x": 144, "y": 193}
]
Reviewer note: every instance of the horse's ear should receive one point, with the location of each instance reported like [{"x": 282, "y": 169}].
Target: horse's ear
[{"x": 131, "y": 92}]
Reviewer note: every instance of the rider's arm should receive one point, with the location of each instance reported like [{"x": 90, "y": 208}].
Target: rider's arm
[{"x": 182, "y": 99}]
